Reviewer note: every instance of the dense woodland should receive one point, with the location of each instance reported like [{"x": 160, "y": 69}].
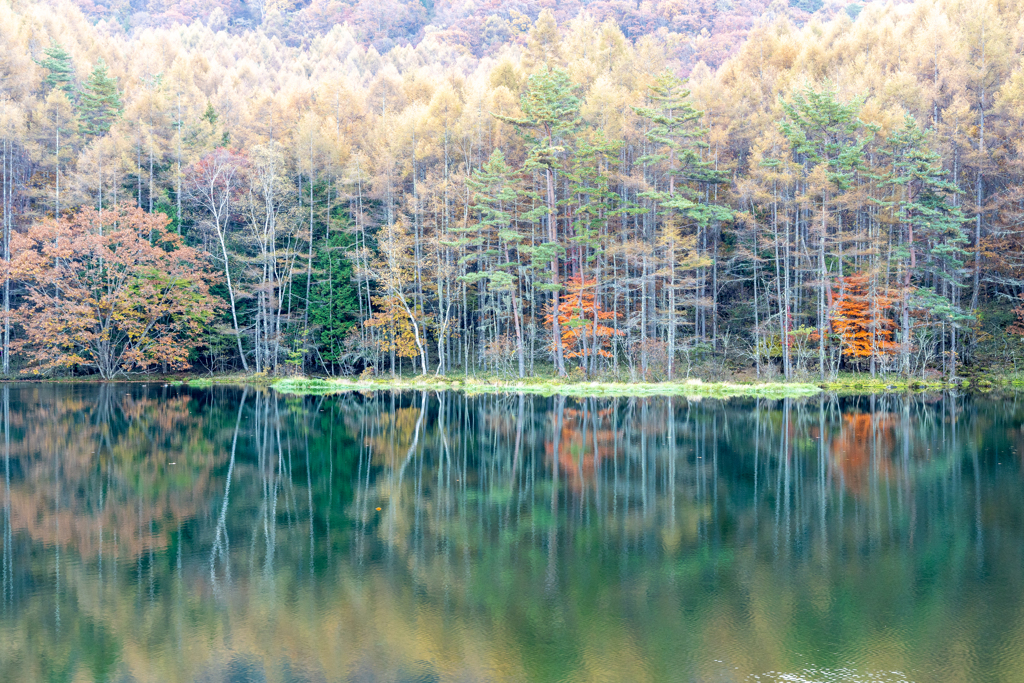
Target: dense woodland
[
  {"x": 693, "y": 30},
  {"x": 583, "y": 196}
]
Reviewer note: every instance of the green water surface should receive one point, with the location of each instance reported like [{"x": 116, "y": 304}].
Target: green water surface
[{"x": 160, "y": 533}]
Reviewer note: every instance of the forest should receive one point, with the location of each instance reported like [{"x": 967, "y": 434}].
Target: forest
[{"x": 590, "y": 192}]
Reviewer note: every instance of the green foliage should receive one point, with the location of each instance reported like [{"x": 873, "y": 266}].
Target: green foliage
[
  {"x": 822, "y": 130},
  {"x": 61, "y": 69},
  {"x": 932, "y": 221},
  {"x": 334, "y": 301},
  {"x": 551, "y": 111},
  {"x": 210, "y": 114},
  {"x": 678, "y": 140},
  {"x": 100, "y": 104}
]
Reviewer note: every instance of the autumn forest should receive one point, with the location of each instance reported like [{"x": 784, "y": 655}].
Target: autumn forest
[{"x": 676, "y": 190}]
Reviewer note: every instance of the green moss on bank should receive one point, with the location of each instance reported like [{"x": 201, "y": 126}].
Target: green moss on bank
[
  {"x": 845, "y": 384},
  {"x": 868, "y": 385},
  {"x": 692, "y": 388}
]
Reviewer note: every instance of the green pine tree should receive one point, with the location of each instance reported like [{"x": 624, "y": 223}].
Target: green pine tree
[
  {"x": 488, "y": 238},
  {"x": 934, "y": 245},
  {"x": 210, "y": 114},
  {"x": 678, "y": 138},
  {"x": 826, "y": 136},
  {"x": 334, "y": 303},
  {"x": 494, "y": 245},
  {"x": 61, "y": 70},
  {"x": 100, "y": 104},
  {"x": 550, "y": 125},
  {"x": 823, "y": 130}
]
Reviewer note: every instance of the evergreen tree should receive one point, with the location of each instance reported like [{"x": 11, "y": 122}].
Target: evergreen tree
[
  {"x": 61, "y": 70},
  {"x": 822, "y": 130},
  {"x": 551, "y": 121},
  {"x": 933, "y": 228},
  {"x": 334, "y": 304},
  {"x": 496, "y": 243},
  {"x": 677, "y": 140},
  {"x": 100, "y": 104},
  {"x": 676, "y": 134},
  {"x": 210, "y": 114},
  {"x": 829, "y": 140}
]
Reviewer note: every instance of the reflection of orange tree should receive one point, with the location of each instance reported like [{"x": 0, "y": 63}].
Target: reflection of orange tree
[
  {"x": 851, "y": 450},
  {"x": 97, "y": 470},
  {"x": 391, "y": 435},
  {"x": 581, "y": 445},
  {"x": 579, "y": 317}
]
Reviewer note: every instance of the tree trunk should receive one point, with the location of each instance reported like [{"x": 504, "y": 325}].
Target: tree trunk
[{"x": 553, "y": 238}]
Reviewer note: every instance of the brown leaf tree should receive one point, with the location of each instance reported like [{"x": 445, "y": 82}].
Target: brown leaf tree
[{"x": 110, "y": 291}]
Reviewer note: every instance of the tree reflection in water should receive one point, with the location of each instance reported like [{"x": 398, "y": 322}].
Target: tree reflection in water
[{"x": 158, "y": 533}]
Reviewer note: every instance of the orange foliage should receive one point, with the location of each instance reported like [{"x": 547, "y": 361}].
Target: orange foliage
[
  {"x": 581, "y": 447},
  {"x": 576, "y": 315},
  {"x": 859, "y": 320},
  {"x": 1017, "y": 327},
  {"x": 113, "y": 291},
  {"x": 851, "y": 449}
]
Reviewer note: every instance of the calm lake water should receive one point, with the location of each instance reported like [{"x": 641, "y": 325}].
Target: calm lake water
[{"x": 155, "y": 533}]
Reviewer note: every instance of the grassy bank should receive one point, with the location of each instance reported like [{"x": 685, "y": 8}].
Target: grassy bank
[
  {"x": 547, "y": 387},
  {"x": 235, "y": 379},
  {"x": 857, "y": 384},
  {"x": 845, "y": 384}
]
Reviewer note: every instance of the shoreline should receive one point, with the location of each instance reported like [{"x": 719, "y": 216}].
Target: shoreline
[
  {"x": 687, "y": 388},
  {"x": 691, "y": 388},
  {"x": 321, "y": 386}
]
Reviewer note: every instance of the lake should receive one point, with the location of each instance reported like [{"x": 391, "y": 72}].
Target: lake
[{"x": 166, "y": 533}]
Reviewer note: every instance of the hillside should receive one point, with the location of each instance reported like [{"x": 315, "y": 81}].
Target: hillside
[{"x": 697, "y": 30}]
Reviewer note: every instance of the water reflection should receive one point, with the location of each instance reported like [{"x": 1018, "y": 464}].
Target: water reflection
[{"x": 156, "y": 533}]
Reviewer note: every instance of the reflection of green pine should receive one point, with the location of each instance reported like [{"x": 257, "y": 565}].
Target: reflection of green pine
[
  {"x": 101, "y": 103},
  {"x": 62, "y": 71}
]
